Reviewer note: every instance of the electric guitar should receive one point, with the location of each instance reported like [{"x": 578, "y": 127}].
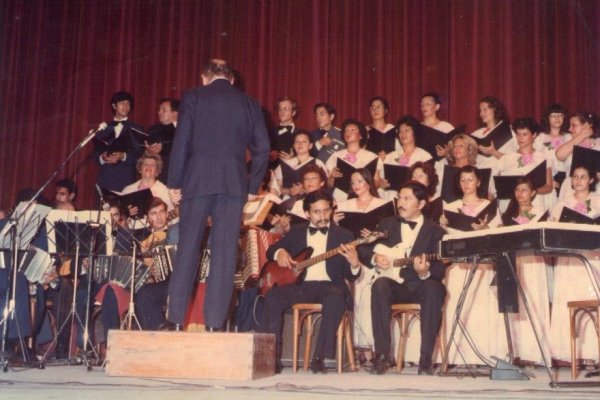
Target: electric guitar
[
  {"x": 398, "y": 261},
  {"x": 274, "y": 275}
]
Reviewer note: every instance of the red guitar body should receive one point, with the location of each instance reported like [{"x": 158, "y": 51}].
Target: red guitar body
[{"x": 273, "y": 275}]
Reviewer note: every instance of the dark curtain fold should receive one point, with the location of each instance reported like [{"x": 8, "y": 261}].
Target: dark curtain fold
[{"x": 62, "y": 60}]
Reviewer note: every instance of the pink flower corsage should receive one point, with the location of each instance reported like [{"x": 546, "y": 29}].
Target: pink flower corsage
[
  {"x": 351, "y": 158},
  {"x": 525, "y": 159}
]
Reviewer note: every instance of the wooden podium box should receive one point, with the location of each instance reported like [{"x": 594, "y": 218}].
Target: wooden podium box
[{"x": 232, "y": 356}]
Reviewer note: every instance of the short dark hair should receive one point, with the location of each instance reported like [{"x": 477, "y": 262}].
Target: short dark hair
[
  {"x": 410, "y": 121},
  {"x": 434, "y": 96},
  {"x": 500, "y": 113},
  {"x": 156, "y": 202},
  {"x": 217, "y": 67},
  {"x": 590, "y": 118},
  {"x": 361, "y": 128},
  {"x": 303, "y": 132},
  {"x": 315, "y": 196},
  {"x": 313, "y": 168},
  {"x": 468, "y": 169},
  {"x": 591, "y": 172},
  {"x": 383, "y": 100},
  {"x": 552, "y": 109},
  {"x": 429, "y": 170},
  {"x": 286, "y": 98},
  {"x": 526, "y": 123},
  {"x": 67, "y": 184},
  {"x": 121, "y": 96},
  {"x": 328, "y": 107},
  {"x": 418, "y": 189},
  {"x": 173, "y": 103}
]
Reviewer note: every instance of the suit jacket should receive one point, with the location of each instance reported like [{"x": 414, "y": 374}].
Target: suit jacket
[
  {"x": 216, "y": 124},
  {"x": 325, "y": 152},
  {"x": 337, "y": 266},
  {"x": 117, "y": 176},
  {"x": 163, "y": 134},
  {"x": 427, "y": 242}
]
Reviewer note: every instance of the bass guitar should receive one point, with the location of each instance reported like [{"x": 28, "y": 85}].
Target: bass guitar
[{"x": 274, "y": 275}]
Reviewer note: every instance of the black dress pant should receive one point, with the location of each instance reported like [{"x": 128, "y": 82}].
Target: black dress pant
[
  {"x": 429, "y": 294},
  {"x": 150, "y": 302},
  {"x": 281, "y": 298}
]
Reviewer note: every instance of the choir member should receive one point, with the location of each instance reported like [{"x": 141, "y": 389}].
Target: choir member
[
  {"x": 382, "y": 138},
  {"x": 495, "y": 136},
  {"x": 327, "y": 138},
  {"x": 425, "y": 173},
  {"x": 430, "y": 105},
  {"x": 554, "y": 133}
]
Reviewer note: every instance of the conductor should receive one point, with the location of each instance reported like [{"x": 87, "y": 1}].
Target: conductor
[{"x": 208, "y": 177}]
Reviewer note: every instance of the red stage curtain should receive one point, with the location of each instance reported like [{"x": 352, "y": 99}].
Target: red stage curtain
[{"x": 62, "y": 60}]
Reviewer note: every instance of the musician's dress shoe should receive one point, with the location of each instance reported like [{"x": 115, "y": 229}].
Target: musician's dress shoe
[
  {"x": 425, "y": 370},
  {"x": 317, "y": 365},
  {"x": 381, "y": 365},
  {"x": 170, "y": 326}
]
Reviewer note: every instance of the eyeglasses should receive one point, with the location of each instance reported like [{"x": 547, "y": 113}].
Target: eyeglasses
[{"x": 376, "y": 108}]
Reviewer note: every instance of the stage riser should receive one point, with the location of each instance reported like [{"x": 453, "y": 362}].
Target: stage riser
[{"x": 231, "y": 356}]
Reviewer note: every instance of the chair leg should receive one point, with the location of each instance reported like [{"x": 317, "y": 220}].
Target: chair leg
[
  {"x": 296, "y": 340},
  {"x": 402, "y": 342},
  {"x": 572, "y": 320},
  {"x": 349, "y": 345},
  {"x": 442, "y": 339},
  {"x": 339, "y": 342},
  {"x": 307, "y": 343}
]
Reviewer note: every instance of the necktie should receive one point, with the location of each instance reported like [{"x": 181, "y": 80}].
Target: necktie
[
  {"x": 312, "y": 230},
  {"x": 411, "y": 224}
]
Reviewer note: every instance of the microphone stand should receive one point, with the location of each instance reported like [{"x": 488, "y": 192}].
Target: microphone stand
[{"x": 9, "y": 309}]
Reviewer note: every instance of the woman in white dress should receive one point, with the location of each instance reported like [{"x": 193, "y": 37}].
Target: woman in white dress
[
  {"x": 480, "y": 313},
  {"x": 585, "y": 130},
  {"x": 571, "y": 281},
  {"x": 355, "y": 136},
  {"x": 405, "y": 156},
  {"x": 366, "y": 199},
  {"x": 554, "y": 134},
  {"x": 149, "y": 166},
  {"x": 524, "y": 160},
  {"x": 302, "y": 147},
  {"x": 533, "y": 276},
  {"x": 430, "y": 105},
  {"x": 493, "y": 119}
]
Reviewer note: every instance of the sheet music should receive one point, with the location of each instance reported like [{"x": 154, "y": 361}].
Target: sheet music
[
  {"x": 64, "y": 227},
  {"x": 28, "y": 224}
]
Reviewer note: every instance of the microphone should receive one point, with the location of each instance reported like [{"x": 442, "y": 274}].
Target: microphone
[
  {"x": 105, "y": 205},
  {"x": 92, "y": 133}
]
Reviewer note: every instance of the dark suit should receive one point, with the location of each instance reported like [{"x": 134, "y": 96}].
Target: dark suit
[
  {"x": 217, "y": 123},
  {"x": 333, "y": 294},
  {"x": 429, "y": 293},
  {"x": 163, "y": 134},
  {"x": 117, "y": 176}
]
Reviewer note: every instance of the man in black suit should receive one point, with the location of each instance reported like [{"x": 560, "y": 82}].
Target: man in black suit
[
  {"x": 117, "y": 147},
  {"x": 217, "y": 124},
  {"x": 422, "y": 280},
  {"x": 160, "y": 139},
  {"x": 323, "y": 282},
  {"x": 328, "y": 138}
]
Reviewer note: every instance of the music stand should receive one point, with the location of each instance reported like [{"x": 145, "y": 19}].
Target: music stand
[
  {"x": 75, "y": 233},
  {"x": 16, "y": 236}
]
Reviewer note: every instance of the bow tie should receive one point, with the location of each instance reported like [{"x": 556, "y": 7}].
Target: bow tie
[
  {"x": 312, "y": 230},
  {"x": 411, "y": 224},
  {"x": 286, "y": 128}
]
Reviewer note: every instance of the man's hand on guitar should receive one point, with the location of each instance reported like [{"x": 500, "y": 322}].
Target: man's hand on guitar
[
  {"x": 382, "y": 262},
  {"x": 350, "y": 253},
  {"x": 421, "y": 266},
  {"x": 284, "y": 259}
]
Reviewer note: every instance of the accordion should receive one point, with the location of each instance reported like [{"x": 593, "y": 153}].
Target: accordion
[
  {"x": 254, "y": 254},
  {"x": 36, "y": 264},
  {"x": 163, "y": 258},
  {"x": 117, "y": 269}
]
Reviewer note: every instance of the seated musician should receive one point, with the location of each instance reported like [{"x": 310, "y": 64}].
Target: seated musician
[
  {"x": 323, "y": 283},
  {"x": 419, "y": 282},
  {"x": 152, "y": 297}
]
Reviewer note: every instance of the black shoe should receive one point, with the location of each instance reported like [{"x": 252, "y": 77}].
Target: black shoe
[
  {"x": 170, "y": 326},
  {"x": 278, "y": 367},
  {"x": 317, "y": 365},
  {"x": 425, "y": 370},
  {"x": 381, "y": 364}
]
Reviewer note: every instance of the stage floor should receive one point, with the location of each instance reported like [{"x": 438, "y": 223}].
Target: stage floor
[{"x": 75, "y": 382}]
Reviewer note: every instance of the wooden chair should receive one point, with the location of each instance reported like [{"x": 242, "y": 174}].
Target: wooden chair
[
  {"x": 404, "y": 315},
  {"x": 577, "y": 308},
  {"x": 303, "y": 315}
]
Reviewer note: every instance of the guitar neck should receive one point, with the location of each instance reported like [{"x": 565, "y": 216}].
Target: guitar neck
[
  {"x": 302, "y": 265},
  {"x": 401, "y": 262}
]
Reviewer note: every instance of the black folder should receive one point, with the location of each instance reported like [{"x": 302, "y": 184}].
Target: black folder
[
  {"x": 505, "y": 185},
  {"x": 396, "y": 175},
  {"x": 356, "y": 221},
  {"x": 462, "y": 222},
  {"x": 290, "y": 175},
  {"x": 587, "y": 157},
  {"x": 568, "y": 215},
  {"x": 428, "y": 138},
  {"x": 343, "y": 183},
  {"x": 140, "y": 199},
  {"x": 500, "y": 136}
]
